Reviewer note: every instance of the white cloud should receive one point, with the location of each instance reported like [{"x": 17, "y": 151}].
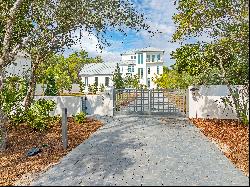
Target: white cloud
[
  {"x": 159, "y": 16},
  {"x": 89, "y": 43}
]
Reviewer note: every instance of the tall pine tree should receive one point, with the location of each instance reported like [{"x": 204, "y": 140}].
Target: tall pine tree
[{"x": 117, "y": 79}]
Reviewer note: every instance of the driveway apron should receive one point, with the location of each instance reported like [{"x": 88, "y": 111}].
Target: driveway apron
[{"x": 144, "y": 150}]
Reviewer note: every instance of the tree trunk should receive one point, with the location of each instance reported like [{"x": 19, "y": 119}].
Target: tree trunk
[
  {"x": 32, "y": 86},
  {"x": 5, "y": 59},
  {"x": 8, "y": 35},
  {"x": 3, "y": 118},
  {"x": 3, "y": 131}
]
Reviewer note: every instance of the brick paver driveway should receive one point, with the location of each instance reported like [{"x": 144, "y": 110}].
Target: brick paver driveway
[{"x": 145, "y": 150}]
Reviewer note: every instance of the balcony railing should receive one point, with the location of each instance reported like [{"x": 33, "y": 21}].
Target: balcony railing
[{"x": 156, "y": 60}]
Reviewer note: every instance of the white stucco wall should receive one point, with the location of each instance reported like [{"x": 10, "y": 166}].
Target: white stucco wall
[
  {"x": 100, "y": 104},
  {"x": 206, "y": 103},
  {"x": 96, "y": 104}
]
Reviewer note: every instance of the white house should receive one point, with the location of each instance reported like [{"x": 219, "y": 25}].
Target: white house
[
  {"x": 101, "y": 73},
  {"x": 146, "y": 63}
]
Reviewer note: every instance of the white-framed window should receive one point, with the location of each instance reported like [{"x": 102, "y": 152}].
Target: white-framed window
[
  {"x": 129, "y": 68},
  {"x": 148, "y": 58},
  {"x": 106, "y": 81},
  {"x": 86, "y": 81},
  {"x": 140, "y": 58},
  {"x": 153, "y": 58},
  {"x": 158, "y": 70},
  {"x": 148, "y": 70},
  {"x": 132, "y": 68},
  {"x": 140, "y": 73},
  {"x": 148, "y": 82},
  {"x": 158, "y": 57},
  {"x": 96, "y": 80},
  {"x": 134, "y": 57}
]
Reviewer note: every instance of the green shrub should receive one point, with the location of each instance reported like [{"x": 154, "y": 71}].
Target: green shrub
[
  {"x": 80, "y": 117},
  {"x": 11, "y": 98},
  {"x": 102, "y": 88},
  {"x": 94, "y": 88},
  {"x": 37, "y": 115},
  {"x": 90, "y": 88},
  {"x": 51, "y": 86}
]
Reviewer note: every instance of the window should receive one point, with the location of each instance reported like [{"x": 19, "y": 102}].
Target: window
[
  {"x": 148, "y": 70},
  {"x": 122, "y": 69},
  {"x": 106, "y": 81},
  {"x": 86, "y": 81},
  {"x": 140, "y": 58},
  {"x": 129, "y": 68},
  {"x": 148, "y": 82},
  {"x": 158, "y": 69},
  {"x": 132, "y": 68},
  {"x": 148, "y": 58},
  {"x": 158, "y": 57},
  {"x": 96, "y": 80},
  {"x": 153, "y": 58},
  {"x": 140, "y": 72},
  {"x": 134, "y": 57}
]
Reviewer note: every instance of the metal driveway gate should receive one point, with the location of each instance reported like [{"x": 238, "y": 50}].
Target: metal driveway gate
[{"x": 144, "y": 101}]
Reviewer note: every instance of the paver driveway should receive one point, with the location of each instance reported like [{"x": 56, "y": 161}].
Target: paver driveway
[{"x": 145, "y": 150}]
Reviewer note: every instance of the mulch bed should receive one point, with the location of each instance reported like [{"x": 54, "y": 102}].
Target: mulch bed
[
  {"x": 230, "y": 136},
  {"x": 17, "y": 168}
]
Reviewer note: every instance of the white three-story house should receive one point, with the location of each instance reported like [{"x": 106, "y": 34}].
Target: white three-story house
[{"x": 146, "y": 63}]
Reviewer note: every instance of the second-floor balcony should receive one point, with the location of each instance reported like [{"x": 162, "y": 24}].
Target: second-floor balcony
[
  {"x": 129, "y": 62},
  {"x": 154, "y": 60}
]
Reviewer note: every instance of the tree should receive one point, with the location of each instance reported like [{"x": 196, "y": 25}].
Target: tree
[
  {"x": 51, "y": 25},
  {"x": 132, "y": 81},
  {"x": 117, "y": 78},
  {"x": 173, "y": 79},
  {"x": 65, "y": 71},
  {"x": 226, "y": 56},
  {"x": 51, "y": 88}
]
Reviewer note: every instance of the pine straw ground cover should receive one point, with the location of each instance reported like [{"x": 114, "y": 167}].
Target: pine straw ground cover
[
  {"x": 16, "y": 168},
  {"x": 231, "y": 137}
]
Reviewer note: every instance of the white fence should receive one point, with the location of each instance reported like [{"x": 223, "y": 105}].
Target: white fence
[
  {"x": 202, "y": 102},
  {"x": 206, "y": 102},
  {"x": 95, "y": 104}
]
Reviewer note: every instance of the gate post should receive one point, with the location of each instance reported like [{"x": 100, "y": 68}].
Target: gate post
[
  {"x": 64, "y": 128},
  {"x": 149, "y": 101}
]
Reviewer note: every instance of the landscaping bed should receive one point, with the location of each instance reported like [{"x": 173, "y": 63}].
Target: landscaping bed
[
  {"x": 230, "y": 136},
  {"x": 16, "y": 168}
]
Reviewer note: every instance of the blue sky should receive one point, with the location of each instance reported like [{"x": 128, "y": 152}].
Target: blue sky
[{"x": 159, "y": 16}]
